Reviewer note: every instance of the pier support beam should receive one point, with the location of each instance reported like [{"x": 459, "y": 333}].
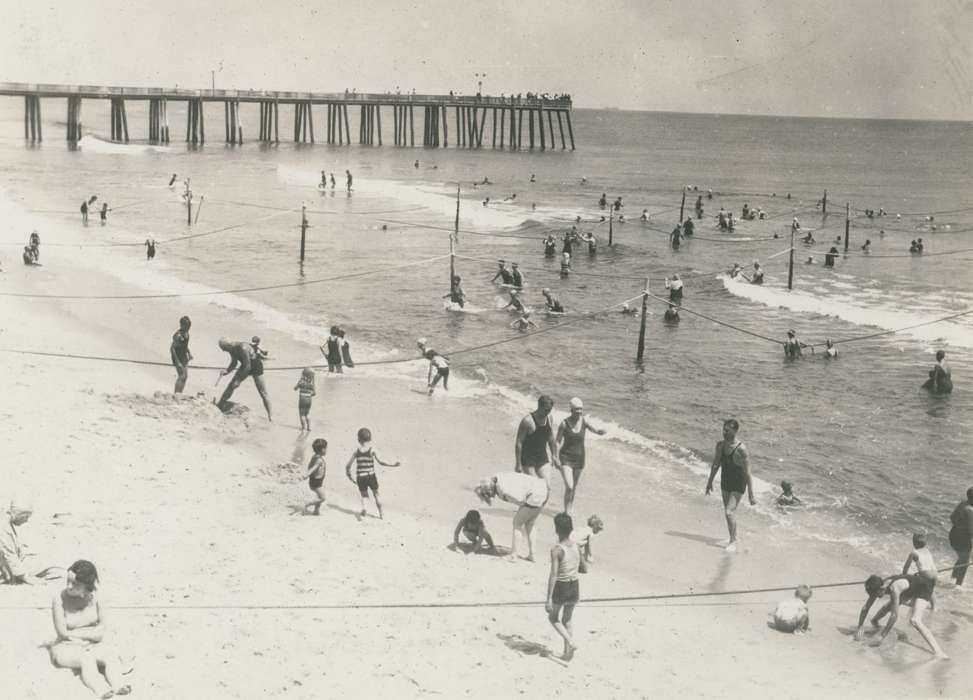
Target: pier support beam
[
  {"x": 570, "y": 131},
  {"x": 560, "y": 128},
  {"x": 445, "y": 116},
  {"x": 74, "y": 119},
  {"x": 503, "y": 117},
  {"x": 119, "y": 122}
]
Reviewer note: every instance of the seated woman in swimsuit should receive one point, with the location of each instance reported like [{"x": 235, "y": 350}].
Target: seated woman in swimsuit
[{"x": 79, "y": 620}]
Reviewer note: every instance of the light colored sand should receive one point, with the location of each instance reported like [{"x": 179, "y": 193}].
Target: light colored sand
[{"x": 182, "y": 507}]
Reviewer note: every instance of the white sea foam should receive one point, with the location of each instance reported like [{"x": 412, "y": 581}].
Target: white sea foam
[
  {"x": 93, "y": 144},
  {"x": 895, "y": 310}
]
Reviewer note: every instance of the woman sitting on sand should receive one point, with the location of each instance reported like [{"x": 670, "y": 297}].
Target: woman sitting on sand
[{"x": 79, "y": 621}]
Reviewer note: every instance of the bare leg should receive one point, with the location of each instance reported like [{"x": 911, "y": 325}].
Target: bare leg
[
  {"x": 883, "y": 611},
  {"x": 529, "y": 530},
  {"x": 562, "y": 629},
  {"x": 918, "y": 611},
  {"x": 567, "y": 473},
  {"x": 82, "y": 659},
  {"x": 378, "y": 504},
  {"x": 183, "y": 375},
  {"x": 730, "y": 502},
  {"x": 262, "y": 390}
]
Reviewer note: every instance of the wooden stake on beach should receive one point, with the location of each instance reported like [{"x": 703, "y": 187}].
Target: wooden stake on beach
[
  {"x": 847, "y": 224},
  {"x": 189, "y": 208},
  {"x": 611, "y": 217},
  {"x": 824, "y": 205},
  {"x": 682, "y": 205},
  {"x": 303, "y": 228},
  {"x": 645, "y": 302},
  {"x": 199, "y": 208},
  {"x": 790, "y": 268}
]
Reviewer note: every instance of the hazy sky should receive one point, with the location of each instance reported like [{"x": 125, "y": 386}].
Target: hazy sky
[{"x": 859, "y": 58}]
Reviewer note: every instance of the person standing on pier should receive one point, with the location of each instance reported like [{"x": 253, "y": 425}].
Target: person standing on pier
[{"x": 736, "y": 480}]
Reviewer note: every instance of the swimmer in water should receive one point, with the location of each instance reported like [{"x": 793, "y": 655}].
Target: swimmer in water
[
  {"x": 735, "y": 271},
  {"x": 645, "y": 216},
  {"x": 514, "y": 302},
  {"x": 456, "y": 294},
  {"x": 808, "y": 239},
  {"x": 627, "y": 310},
  {"x": 533, "y": 178},
  {"x": 517, "y": 277},
  {"x": 830, "y": 351},
  {"x": 672, "y": 314},
  {"x": 550, "y": 246},
  {"x": 758, "y": 274},
  {"x": 788, "y": 498},
  {"x": 792, "y": 346},
  {"x": 553, "y": 303},
  {"x": 486, "y": 202},
  {"x": 523, "y": 323},
  {"x": 503, "y": 274},
  {"x": 584, "y": 181},
  {"x": 867, "y": 248}
]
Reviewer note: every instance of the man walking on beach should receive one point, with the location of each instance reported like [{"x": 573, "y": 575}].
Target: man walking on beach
[
  {"x": 535, "y": 436},
  {"x": 736, "y": 480}
]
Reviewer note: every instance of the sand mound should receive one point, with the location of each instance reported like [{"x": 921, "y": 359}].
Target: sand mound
[{"x": 196, "y": 410}]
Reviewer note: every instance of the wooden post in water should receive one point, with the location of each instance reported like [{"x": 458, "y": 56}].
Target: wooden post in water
[
  {"x": 824, "y": 205},
  {"x": 530, "y": 119},
  {"x": 790, "y": 267},
  {"x": 682, "y": 206},
  {"x": 199, "y": 208},
  {"x": 611, "y": 218},
  {"x": 570, "y": 130},
  {"x": 202, "y": 125},
  {"x": 303, "y": 228},
  {"x": 847, "y": 224},
  {"x": 640, "y": 351}
]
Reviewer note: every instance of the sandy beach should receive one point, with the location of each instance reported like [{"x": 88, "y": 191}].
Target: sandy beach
[{"x": 220, "y": 588}]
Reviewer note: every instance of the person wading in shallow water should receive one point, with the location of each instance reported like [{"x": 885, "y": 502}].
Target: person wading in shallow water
[{"x": 736, "y": 480}]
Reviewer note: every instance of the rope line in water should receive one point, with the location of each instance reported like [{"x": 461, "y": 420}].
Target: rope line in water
[
  {"x": 106, "y": 297},
  {"x": 153, "y": 363}
]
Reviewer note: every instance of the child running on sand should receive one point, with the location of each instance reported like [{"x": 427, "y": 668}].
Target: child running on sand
[
  {"x": 563, "y": 591},
  {"x": 305, "y": 389},
  {"x": 792, "y": 614},
  {"x": 316, "y": 470},
  {"x": 364, "y": 459},
  {"x": 474, "y": 529}
]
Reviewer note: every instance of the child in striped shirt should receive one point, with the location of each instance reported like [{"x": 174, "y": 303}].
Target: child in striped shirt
[{"x": 364, "y": 459}]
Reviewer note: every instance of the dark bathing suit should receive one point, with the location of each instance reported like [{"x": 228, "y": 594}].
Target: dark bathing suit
[
  {"x": 733, "y": 480},
  {"x": 572, "y": 451},
  {"x": 180, "y": 347},
  {"x": 533, "y": 452},
  {"x": 365, "y": 474},
  {"x": 919, "y": 588}
]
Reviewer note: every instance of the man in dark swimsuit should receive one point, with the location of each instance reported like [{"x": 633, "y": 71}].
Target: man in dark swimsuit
[
  {"x": 535, "y": 436},
  {"x": 961, "y": 537},
  {"x": 912, "y": 590},
  {"x": 179, "y": 352},
  {"x": 736, "y": 480},
  {"x": 240, "y": 354}
]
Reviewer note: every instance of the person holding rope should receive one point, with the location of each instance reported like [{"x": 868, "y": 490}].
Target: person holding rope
[
  {"x": 179, "y": 352},
  {"x": 535, "y": 438},
  {"x": 911, "y": 590},
  {"x": 240, "y": 356},
  {"x": 525, "y": 491},
  {"x": 736, "y": 480}
]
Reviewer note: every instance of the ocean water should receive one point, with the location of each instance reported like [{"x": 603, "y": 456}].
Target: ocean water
[{"x": 871, "y": 452}]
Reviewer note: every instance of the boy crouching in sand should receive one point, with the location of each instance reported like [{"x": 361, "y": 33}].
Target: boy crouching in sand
[
  {"x": 316, "y": 469},
  {"x": 364, "y": 459},
  {"x": 474, "y": 529},
  {"x": 792, "y": 614}
]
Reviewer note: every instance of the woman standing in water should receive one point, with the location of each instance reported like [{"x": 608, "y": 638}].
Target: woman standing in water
[
  {"x": 570, "y": 443},
  {"x": 79, "y": 620}
]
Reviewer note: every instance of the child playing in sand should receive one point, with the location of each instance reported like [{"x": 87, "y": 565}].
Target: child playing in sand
[
  {"x": 474, "y": 529},
  {"x": 305, "y": 389},
  {"x": 563, "y": 591},
  {"x": 788, "y": 499},
  {"x": 582, "y": 536},
  {"x": 792, "y": 614},
  {"x": 316, "y": 469},
  {"x": 364, "y": 459},
  {"x": 925, "y": 565}
]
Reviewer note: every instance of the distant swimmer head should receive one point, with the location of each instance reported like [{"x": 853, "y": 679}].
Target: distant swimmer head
[
  {"x": 576, "y": 405},
  {"x": 596, "y": 524},
  {"x": 626, "y": 307},
  {"x": 791, "y": 333},
  {"x": 546, "y": 291},
  {"x": 786, "y": 486}
]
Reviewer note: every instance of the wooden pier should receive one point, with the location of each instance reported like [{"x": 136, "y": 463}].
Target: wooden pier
[{"x": 471, "y": 116}]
